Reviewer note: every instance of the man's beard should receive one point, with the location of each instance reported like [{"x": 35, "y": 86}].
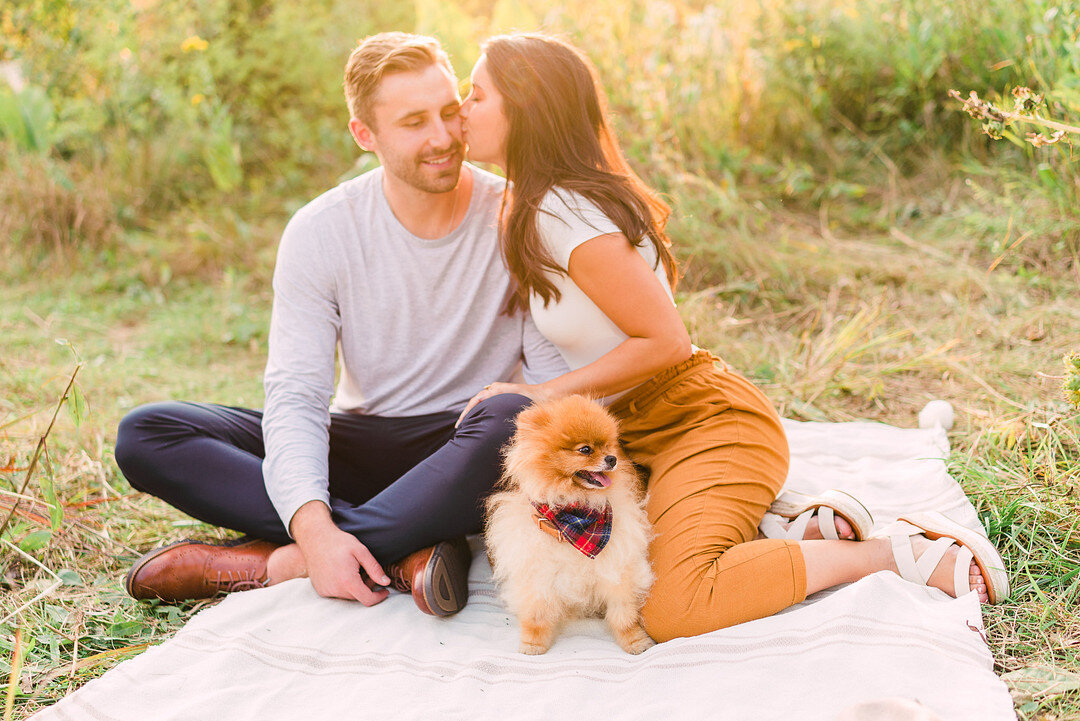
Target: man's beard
[{"x": 413, "y": 171}]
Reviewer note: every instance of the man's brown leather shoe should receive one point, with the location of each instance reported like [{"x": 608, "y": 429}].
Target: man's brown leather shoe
[
  {"x": 191, "y": 570},
  {"x": 437, "y": 576}
]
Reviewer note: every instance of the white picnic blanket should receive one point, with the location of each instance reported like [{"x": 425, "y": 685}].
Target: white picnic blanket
[{"x": 286, "y": 653}]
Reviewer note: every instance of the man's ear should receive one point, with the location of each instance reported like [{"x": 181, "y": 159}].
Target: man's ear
[{"x": 362, "y": 134}]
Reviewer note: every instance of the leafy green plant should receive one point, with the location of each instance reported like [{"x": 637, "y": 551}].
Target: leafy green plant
[
  {"x": 26, "y": 119},
  {"x": 1070, "y": 386}
]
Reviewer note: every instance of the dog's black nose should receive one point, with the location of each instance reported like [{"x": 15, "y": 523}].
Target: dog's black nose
[{"x": 610, "y": 461}]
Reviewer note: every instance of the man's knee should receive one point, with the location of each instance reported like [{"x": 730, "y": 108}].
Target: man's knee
[
  {"x": 495, "y": 416},
  {"x": 135, "y": 440},
  {"x": 505, "y": 405}
]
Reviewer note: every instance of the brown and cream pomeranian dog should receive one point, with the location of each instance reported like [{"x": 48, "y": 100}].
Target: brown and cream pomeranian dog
[{"x": 567, "y": 534}]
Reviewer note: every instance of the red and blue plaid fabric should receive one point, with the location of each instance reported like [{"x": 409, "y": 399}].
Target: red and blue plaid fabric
[{"x": 586, "y": 529}]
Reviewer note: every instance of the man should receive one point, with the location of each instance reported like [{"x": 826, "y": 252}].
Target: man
[{"x": 399, "y": 272}]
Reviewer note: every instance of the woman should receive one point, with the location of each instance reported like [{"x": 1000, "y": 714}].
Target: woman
[{"x": 583, "y": 238}]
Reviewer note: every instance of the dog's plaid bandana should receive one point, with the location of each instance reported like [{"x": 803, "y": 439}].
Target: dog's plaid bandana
[{"x": 585, "y": 529}]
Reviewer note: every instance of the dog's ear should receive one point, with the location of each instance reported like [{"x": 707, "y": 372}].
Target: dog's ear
[{"x": 534, "y": 419}]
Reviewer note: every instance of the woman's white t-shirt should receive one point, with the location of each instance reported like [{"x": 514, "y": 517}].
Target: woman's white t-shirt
[{"x": 574, "y": 324}]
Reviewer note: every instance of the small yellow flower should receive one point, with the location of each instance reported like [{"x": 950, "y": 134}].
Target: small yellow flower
[
  {"x": 125, "y": 55},
  {"x": 197, "y": 98},
  {"x": 194, "y": 43}
]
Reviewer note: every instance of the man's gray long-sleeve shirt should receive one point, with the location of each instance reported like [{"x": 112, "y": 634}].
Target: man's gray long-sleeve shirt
[{"x": 418, "y": 325}]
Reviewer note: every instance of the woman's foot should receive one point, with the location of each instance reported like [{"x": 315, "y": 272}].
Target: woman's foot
[
  {"x": 813, "y": 530},
  {"x": 832, "y": 515},
  {"x": 829, "y": 563},
  {"x": 927, "y": 548},
  {"x": 943, "y": 575},
  {"x": 925, "y": 543}
]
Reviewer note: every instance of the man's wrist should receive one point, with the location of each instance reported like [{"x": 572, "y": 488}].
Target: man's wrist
[{"x": 309, "y": 520}]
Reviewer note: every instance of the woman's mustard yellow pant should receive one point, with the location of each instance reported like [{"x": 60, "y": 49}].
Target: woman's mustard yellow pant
[{"x": 716, "y": 457}]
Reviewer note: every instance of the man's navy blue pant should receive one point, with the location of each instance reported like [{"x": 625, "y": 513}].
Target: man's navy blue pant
[{"x": 397, "y": 484}]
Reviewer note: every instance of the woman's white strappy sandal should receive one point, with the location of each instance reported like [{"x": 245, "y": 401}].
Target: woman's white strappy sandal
[
  {"x": 802, "y": 508},
  {"x": 943, "y": 533}
]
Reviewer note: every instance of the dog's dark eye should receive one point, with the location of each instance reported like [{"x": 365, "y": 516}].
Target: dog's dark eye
[{"x": 585, "y": 450}]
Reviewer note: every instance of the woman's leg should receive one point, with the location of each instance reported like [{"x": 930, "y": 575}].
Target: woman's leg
[
  {"x": 829, "y": 563},
  {"x": 718, "y": 456},
  {"x": 705, "y": 500}
]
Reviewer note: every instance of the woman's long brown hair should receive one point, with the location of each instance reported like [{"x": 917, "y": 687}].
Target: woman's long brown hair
[{"x": 559, "y": 136}]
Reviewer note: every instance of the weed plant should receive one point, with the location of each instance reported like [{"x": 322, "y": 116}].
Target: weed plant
[{"x": 848, "y": 238}]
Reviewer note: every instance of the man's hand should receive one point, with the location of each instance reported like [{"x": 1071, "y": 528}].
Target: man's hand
[
  {"x": 534, "y": 392},
  {"x": 335, "y": 558}
]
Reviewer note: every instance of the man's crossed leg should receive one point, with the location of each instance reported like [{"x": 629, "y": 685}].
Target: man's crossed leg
[{"x": 408, "y": 489}]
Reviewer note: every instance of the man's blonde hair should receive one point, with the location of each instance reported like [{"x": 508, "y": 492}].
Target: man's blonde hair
[{"x": 379, "y": 55}]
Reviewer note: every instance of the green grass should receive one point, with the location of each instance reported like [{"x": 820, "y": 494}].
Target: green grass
[{"x": 136, "y": 343}]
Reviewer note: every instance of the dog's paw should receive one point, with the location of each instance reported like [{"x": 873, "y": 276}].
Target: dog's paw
[
  {"x": 639, "y": 646},
  {"x": 533, "y": 649},
  {"x": 634, "y": 640},
  {"x": 536, "y": 638}
]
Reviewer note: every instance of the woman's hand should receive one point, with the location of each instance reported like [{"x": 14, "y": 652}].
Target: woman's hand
[{"x": 534, "y": 392}]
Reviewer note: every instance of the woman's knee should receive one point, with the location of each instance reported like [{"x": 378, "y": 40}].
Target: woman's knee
[
  {"x": 698, "y": 594},
  {"x": 669, "y": 611}
]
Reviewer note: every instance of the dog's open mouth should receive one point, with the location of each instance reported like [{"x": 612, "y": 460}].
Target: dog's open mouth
[{"x": 594, "y": 479}]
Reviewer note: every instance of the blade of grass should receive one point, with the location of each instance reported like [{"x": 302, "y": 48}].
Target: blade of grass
[
  {"x": 55, "y": 585},
  {"x": 13, "y": 676},
  {"x": 41, "y": 446},
  {"x": 89, "y": 662},
  {"x": 58, "y": 582}
]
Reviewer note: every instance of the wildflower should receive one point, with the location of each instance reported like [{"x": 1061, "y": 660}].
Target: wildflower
[
  {"x": 993, "y": 128},
  {"x": 1071, "y": 386},
  {"x": 125, "y": 55},
  {"x": 1039, "y": 140},
  {"x": 978, "y": 108},
  {"x": 1026, "y": 101},
  {"x": 194, "y": 43},
  {"x": 197, "y": 98}
]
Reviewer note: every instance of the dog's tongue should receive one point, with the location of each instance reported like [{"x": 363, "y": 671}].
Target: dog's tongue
[{"x": 598, "y": 478}]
